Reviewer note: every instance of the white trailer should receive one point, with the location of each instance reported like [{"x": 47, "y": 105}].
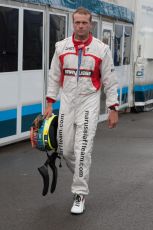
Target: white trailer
[{"x": 143, "y": 55}]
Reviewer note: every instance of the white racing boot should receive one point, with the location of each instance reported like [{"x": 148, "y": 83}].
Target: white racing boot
[{"x": 78, "y": 204}]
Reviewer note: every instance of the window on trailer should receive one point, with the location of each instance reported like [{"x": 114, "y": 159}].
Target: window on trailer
[
  {"x": 57, "y": 32},
  {"x": 127, "y": 45},
  {"x": 118, "y": 40},
  {"x": 8, "y": 39},
  {"x": 32, "y": 40},
  {"x": 94, "y": 29},
  {"x": 107, "y": 37}
]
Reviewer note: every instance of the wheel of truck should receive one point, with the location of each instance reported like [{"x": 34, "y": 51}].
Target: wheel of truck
[{"x": 137, "y": 109}]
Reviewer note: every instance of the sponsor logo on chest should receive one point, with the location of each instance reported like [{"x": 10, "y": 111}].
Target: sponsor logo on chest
[{"x": 74, "y": 72}]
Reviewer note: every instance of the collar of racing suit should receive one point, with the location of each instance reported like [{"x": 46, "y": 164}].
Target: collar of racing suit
[{"x": 80, "y": 44}]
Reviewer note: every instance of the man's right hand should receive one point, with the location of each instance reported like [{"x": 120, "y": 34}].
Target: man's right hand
[{"x": 48, "y": 110}]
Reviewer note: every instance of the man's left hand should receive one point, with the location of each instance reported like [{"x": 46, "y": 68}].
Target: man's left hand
[{"x": 112, "y": 119}]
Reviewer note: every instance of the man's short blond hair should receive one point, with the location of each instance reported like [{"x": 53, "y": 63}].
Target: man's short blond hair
[{"x": 82, "y": 10}]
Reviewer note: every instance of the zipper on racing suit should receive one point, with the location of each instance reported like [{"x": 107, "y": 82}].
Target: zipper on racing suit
[{"x": 79, "y": 62}]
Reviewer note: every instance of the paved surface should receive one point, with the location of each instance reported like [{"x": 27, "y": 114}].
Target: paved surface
[{"x": 121, "y": 183}]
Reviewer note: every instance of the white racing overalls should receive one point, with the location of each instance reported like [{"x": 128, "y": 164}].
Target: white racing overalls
[{"x": 80, "y": 70}]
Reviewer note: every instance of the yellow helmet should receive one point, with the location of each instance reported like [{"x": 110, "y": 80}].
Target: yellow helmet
[{"x": 43, "y": 133}]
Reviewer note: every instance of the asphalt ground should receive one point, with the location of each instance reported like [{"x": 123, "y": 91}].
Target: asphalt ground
[{"x": 121, "y": 183}]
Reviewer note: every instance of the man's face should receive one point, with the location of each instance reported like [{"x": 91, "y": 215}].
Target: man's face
[{"x": 81, "y": 25}]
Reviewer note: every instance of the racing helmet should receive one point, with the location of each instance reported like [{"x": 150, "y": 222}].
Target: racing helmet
[{"x": 43, "y": 133}]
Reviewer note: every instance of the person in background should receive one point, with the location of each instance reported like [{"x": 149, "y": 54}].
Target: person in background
[{"x": 81, "y": 65}]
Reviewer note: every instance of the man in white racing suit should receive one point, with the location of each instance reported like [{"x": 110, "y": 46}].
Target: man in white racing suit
[{"x": 81, "y": 65}]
